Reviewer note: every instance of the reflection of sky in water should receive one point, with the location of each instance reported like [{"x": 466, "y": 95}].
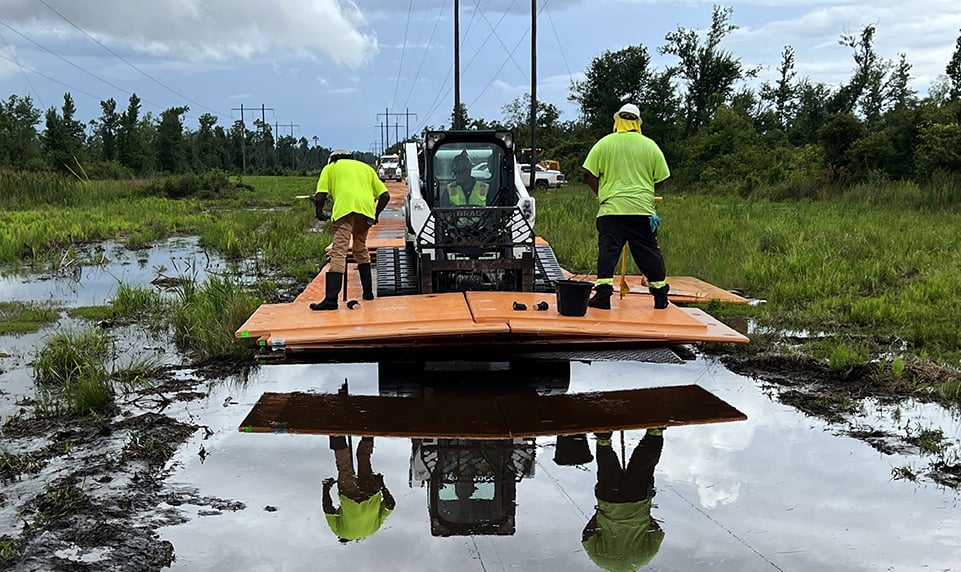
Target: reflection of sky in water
[
  {"x": 777, "y": 492},
  {"x": 96, "y": 284}
]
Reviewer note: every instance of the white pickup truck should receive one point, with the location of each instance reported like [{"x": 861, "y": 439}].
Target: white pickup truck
[{"x": 545, "y": 178}]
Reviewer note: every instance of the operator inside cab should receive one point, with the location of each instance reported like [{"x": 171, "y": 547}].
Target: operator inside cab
[{"x": 465, "y": 190}]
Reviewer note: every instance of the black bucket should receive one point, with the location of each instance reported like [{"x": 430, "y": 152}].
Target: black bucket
[
  {"x": 572, "y": 450},
  {"x": 572, "y": 296}
]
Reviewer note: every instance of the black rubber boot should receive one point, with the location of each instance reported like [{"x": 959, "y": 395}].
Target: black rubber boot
[
  {"x": 660, "y": 296},
  {"x": 334, "y": 280},
  {"x": 337, "y": 442},
  {"x": 602, "y": 297},
  {"x": 366, "y": 281}
]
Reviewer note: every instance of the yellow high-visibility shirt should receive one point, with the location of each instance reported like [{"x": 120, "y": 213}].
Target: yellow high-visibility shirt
[
  {"x": 627, "y": 165},
  {"x": 353, "y": 186}
]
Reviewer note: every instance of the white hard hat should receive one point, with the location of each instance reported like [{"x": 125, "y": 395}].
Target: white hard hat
[
  {"x": 629, "y": 108},
  {"x": 339, "y": 154}
]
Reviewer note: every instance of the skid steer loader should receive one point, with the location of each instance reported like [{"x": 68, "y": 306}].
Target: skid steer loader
[{"x": 453, "y": 244}]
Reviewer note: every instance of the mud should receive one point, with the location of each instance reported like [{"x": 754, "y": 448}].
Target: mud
[
  {"x": 839, "y": 397},
  {"x": 107, "y": 496}
]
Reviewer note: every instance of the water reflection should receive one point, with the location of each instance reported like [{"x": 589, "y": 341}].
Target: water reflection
[
  {"x": 622, "y": 535},
  {"x": 365, "y": 501},
  {"x": 730, "y": 496},
  {"x": 472, "y": 484}
]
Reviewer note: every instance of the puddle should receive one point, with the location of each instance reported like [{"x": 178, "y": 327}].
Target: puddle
[
  {"x": 778, "y": 492},
  {"x": 93, "y": 285}
]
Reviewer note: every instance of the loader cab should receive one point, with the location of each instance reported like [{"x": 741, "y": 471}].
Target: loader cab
[{"x": 471, "y": 159}]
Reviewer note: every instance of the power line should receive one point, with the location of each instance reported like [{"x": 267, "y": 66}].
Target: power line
[
  {"x": 493, "y": 32},
  {"x": 53, "y": 79},
  {"x": 55, "y": 54},
  {"x": 16, "y": 60},
  {"x": 124, "y": 60},
  {"x": 403, "y": 50},
  {"x": 560, "y": 45},
  {"x": 426, "y": 51},
  {"x": 510, "y": 57}
]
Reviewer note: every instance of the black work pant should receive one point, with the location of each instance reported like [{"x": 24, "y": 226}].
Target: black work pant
[
  {"x": 635, "y": 483},
  {"x": 614, "y": 230}
]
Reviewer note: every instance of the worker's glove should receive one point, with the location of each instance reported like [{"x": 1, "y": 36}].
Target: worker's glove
[
  {"x": 372, "y": 221},
  {"x": 322, "y": 216},
  {"x": 655, "y": 222},
  {"x": 328, "y": 482}
]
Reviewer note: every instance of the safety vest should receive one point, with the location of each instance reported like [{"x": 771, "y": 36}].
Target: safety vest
[{"x": 478, "y": 197}]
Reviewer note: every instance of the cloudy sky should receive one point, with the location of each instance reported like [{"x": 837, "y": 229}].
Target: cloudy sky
[{"x": 332, "y": 68}]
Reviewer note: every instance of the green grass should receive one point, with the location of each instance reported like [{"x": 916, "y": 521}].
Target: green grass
[
  {"x": 9, "y": 551},
  {"x": 837, "y": 266},
  {"x": 205, "y": 317},
  {"x": 91, "y": 313},
  {"x": 18, "y": 318},
  {"x": 59, "y": 500},
  {"x": 265, "y": 226},
  {"x": 71, "y": 374}
]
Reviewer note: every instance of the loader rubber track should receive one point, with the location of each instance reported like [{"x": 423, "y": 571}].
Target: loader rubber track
[{"x": 396, "y": 272}]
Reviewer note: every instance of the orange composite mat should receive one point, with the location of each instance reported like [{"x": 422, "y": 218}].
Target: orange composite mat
[
  {"x": 399, "y": 320},
  {"x": 384, "y": 318},
  {"x": 502, "y": 416},
  {"x": 684, "y": 289}
]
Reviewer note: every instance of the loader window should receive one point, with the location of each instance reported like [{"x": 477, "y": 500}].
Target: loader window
[{"x": 481, "y": 160}]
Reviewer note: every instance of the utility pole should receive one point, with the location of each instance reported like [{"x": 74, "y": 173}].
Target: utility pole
[
  {"x": 456, "y": 121},
  {"x": 263, "y": 127},
  {"x": 243, "y": 132},
  {"x": 385, "y": 125},
  {"x": 290, "y": 126},
  {"x": 533, "y": 92}
]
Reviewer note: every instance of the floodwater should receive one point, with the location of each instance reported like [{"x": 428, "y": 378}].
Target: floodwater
[
  {"x": 94, "y": 285},
  {"x": 779, "y": 491}
]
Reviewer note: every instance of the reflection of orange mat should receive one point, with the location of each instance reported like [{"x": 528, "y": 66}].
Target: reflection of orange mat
[{"x": 504, "y": 416}]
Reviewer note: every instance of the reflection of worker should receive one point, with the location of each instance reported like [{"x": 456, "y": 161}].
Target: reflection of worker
[
  {"x": 622, "y": 535},
  {"x": 359, "y": 197},
  {"x": 624, "y": 169},
  {"x": 465, "y": 190},
  {"x": 365, "y": 502}
]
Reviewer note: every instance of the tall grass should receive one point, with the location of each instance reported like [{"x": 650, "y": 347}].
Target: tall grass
[
  {"x": 825, "y": 265},
  {"x": 22, "y": 189},
  {"x": 205, "y": 317},
  {"x": 71, "y": 374},
  {"x": 74, "y": 372}
]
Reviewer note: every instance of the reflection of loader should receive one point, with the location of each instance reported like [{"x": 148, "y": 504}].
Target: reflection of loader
[
  {"x": 453, "y": 247},
  {"x": 473, "y": 484}
]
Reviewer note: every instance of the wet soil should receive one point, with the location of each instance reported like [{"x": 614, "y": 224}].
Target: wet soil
[
  {"x": 839, "y": 397},
  {"x": 104, "y": 495}
]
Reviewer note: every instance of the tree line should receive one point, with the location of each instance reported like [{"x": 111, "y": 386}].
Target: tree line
[
  {"x": 128, "y": 142},
  {"x": 719, "y": 128}
]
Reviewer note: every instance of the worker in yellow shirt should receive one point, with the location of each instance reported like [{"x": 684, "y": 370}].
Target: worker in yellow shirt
[
  {"x": 359, "y": 197},
  {"x": 624, "y": 169}
]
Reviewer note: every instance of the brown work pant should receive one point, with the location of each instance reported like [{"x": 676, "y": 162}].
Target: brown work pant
[
  {"x": 361, "y": 485},
  {"x": 345, "y": 230}
]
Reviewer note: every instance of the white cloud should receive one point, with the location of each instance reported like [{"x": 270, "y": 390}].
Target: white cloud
[{"x": 201, "y": 30}]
